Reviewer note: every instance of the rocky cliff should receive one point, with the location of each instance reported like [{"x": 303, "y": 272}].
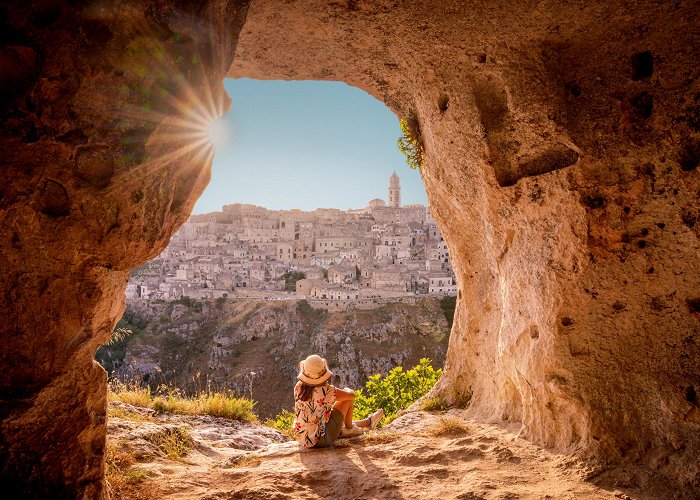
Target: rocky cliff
[{"x": 236, "y": 343}]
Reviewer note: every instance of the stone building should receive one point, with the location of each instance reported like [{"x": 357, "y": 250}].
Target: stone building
[
  {"x": 441, "y": 284},
  {"x": 394, "y": 191}
]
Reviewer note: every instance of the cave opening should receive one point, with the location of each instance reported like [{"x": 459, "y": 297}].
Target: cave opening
[{"x": 271, "y": 266}]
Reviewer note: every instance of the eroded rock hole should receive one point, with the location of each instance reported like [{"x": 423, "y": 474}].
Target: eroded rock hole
[
  {"x": 534, "y": 332},
  {"x": 443, "y": 103},
  {"x": 53, "y": 199},
  {"x": 567, "y": 321},
  {"x": 573, "y": 88},
  {"x": 642, "y": 65},
  {"x": 689, "y": 217},
  {"x": 594, "y": 201},
  {"x": 693, "y": 304},
  {"x": 642, "y": 104},
  {"x": 689, "y": 157},
  {"x": 94, "y": 165},
  {"x": 557, "y": 157},
  {"x": 492, "y": 103}
]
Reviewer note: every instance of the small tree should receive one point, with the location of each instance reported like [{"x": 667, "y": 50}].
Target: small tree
[
  {"x": 290, "y": 280},
  {"x": 411, "y": 144}
]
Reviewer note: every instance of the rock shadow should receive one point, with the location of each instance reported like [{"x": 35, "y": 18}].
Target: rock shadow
[
  {"x": 333, "y": 474},
  {"x": 642, "y": 483}
]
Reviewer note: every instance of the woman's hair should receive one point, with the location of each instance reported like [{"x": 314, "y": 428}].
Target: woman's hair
[{"x": 306, "y": 391}]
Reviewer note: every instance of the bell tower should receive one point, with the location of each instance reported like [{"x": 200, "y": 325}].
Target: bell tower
[{"x": 394, "y": 191}]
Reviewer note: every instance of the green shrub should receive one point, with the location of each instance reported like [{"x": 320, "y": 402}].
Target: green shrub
[
  {"x": 283, "y": 423},
  {"x": 311, "y": 317},
  {"x": 189, "y": 302},
  {"x": 112, "y": 353},
  {"x": 397, "y": 391}
]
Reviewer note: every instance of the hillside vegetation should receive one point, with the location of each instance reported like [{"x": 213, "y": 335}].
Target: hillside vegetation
[{"x": 253, "y": 347}]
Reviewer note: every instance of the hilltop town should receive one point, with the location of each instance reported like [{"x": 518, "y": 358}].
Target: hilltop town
[{"x": 382, "y": 251}]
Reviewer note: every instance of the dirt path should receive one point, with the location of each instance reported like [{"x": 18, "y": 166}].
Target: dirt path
[{"x": 419, "y": 456}]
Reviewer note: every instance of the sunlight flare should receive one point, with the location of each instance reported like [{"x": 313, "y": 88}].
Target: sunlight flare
[{"x": 218, "y": 133}]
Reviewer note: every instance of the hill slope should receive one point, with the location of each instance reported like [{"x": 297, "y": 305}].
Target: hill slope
[{"x": 255, "y": 345}]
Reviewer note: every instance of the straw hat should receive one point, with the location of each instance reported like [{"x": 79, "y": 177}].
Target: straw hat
[{"x": 314, "y": 370}]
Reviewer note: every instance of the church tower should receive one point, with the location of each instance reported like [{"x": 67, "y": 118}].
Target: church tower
[{"x": 394, "y": 191}]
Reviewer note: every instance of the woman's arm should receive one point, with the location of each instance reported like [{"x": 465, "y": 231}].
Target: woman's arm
[{"x": 346, "y": 394}]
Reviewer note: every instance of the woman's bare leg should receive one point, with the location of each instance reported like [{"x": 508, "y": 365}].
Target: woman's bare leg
[{"x": 345, "y": 407}]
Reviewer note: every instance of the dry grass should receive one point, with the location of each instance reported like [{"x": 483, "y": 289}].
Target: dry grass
[
  {"x": 245, "y": 461},
  {"x": 215, "y": 403},
  {"x": 380, "y": 437},
  {"x": 130, "y": 394},
  {"x": 346, "y": 443},
  {"x": 175, "y": 442},
  {"x": 434, "y": 404},
  {"x": 123, "y": 480},
  {"x": 368, "y": 438},
  {"x": 125, "y": 414},
  {"x": 448, "y": 426}
]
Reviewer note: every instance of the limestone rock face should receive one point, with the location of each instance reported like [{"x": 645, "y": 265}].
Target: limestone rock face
[
  {"x": 95, "y": 99},
  {"x": 561, "y": 149}
]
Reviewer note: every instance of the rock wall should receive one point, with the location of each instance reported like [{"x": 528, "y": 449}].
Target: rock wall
[
  {"x": 218, "y": 343},
  {"x": 99, "y": 107},
  {"x": 561, "y": 149}
]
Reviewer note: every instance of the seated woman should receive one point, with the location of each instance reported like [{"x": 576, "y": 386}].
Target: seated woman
[{"x": 323, "y": 412}]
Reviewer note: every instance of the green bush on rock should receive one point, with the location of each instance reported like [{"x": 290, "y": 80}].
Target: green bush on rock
[{"x": 397, "y": 391}]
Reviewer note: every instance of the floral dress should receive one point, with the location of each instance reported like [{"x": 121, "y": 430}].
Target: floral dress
[{"x": 310, "y": 417}]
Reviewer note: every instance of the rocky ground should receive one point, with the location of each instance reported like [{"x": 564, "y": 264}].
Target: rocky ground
[{"x": 421, "y": 455}]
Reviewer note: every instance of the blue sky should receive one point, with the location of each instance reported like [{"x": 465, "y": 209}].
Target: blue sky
[{"x": 306, "y": 145}]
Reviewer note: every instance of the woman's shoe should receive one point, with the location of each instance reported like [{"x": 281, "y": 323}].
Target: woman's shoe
[
  {"x": 375, "y": 418},
  {"x": 348, "y": 432}
]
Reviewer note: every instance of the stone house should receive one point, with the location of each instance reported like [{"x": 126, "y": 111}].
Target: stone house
[
  {"x": 342, "y": 273},
  {"x": 442, "y": 284},
  {"x": 304, "y": 286}
]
